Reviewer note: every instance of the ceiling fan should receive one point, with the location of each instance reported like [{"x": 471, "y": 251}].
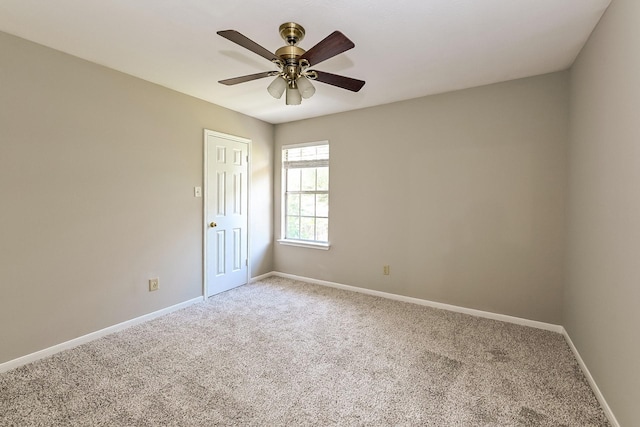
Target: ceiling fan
[{"x": 293, "y": 62}]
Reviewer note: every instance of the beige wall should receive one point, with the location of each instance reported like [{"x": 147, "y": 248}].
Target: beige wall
[
  {"x": 97, "y": 170},
  {"x": 602, "y": 309},
  {"x": 462, "y": 194}
]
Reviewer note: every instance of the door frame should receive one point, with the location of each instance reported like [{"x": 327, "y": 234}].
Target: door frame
[{"x": 208, "y": 132}]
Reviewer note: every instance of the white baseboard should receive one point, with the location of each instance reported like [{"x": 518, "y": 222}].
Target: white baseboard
[
  {"x": 262, "y": 276},
  {"x": 479, "y": 313},
  {"x": 15, "y": 363},
  {"x": 596, "y": 390},
  {"x": 433, "y": 304}
]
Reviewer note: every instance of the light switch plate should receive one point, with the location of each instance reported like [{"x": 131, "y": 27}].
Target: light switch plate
[{"x": 197, "y": 191}]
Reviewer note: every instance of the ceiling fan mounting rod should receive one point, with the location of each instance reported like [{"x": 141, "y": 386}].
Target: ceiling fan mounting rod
[{"x": 292, "y": 33}]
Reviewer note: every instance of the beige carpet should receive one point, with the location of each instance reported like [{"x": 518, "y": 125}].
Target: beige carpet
[{"x": 280, "y": 352}]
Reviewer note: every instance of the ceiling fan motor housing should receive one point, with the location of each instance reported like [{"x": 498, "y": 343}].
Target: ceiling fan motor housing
[{"x": 288, "y": 53}]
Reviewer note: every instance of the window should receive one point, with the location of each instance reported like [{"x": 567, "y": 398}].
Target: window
[{"x": 305, "y": 185}]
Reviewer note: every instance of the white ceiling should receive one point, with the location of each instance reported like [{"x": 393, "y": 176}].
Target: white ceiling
[{"x": 404, "y": 48}]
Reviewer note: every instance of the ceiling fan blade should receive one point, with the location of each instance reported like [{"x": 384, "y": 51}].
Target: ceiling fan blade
[
  {"x": 332, "y": 45},
  {"x": 248, "y": 78},
  {"x": 343, "y": 82},
  {"x": 247, "y": 43}
]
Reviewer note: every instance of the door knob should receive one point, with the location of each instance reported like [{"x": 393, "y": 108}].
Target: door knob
[{"x": 213, "y": 224}]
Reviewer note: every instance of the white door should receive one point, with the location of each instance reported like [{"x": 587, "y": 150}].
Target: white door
[{"x": 226, "y": 216}]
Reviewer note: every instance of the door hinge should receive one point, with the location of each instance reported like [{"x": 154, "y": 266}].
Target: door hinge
[
  {"x": 246, "y": 262},
  {"x": 247, "y": 159}
]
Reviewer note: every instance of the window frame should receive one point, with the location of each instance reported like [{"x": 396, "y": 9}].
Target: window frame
[{"x": 283, "y": 198}]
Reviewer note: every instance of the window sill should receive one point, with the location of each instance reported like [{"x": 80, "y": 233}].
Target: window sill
[{"x": 303, "y": 244}]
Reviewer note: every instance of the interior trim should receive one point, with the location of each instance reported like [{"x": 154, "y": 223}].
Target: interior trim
[
  {"x": 15, "y": 363},
  {"x": 433, "y": 304},
  {"x": 20, "y": 361},
  {"x": 596, "y": 390},
  {"x": 479, "y": 313}
]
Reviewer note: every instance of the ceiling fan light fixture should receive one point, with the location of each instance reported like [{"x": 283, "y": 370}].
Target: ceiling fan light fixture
[
  {"x": 293, "y": 95},
  {"x": 277, "y": 87},
  {"x": 305, "y": 87}
]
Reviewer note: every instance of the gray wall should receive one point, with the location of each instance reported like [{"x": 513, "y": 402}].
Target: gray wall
[
  {"x": 462, "y": 194},
  {"x": 602, "y": 311},
  {"x": 97, "y": 170}
]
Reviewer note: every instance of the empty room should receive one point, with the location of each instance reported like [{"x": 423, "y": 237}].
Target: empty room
[{"x": 422, "y": 213}]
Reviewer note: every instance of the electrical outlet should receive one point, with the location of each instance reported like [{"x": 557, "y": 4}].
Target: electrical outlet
[
  {"x": 154, "y": 284},
  {"x": 385, "y": 270}
]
